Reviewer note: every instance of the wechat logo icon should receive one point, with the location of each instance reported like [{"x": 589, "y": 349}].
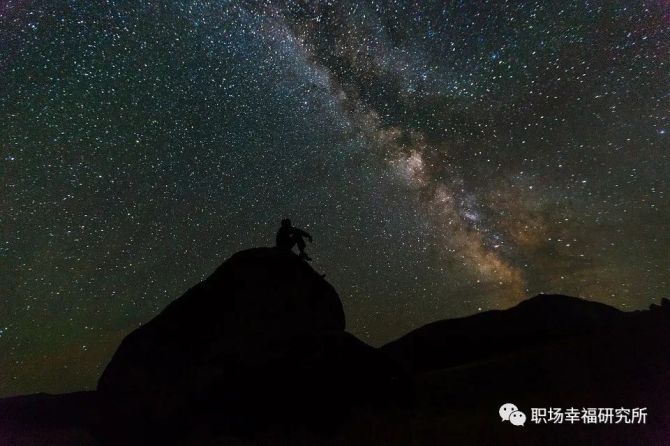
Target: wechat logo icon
[{"x": 509, "y": 412}]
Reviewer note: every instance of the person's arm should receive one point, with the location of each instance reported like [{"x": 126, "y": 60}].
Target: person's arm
[{"x": 304, "y": 234}]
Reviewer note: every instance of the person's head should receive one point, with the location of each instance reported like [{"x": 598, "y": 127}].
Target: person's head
[{"x": 286, "y": 222}]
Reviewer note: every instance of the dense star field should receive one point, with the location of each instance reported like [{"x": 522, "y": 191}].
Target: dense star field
[{"x": 448, "y": 157}]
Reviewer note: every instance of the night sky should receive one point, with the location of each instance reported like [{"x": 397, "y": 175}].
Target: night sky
[{"x": 448, "y": 158}]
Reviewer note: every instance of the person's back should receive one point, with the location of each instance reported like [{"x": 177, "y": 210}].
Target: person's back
[{"x": 284, "y": 238}]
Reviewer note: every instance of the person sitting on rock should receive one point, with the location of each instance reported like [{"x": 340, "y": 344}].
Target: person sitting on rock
[{"x": 288, "y": 236}]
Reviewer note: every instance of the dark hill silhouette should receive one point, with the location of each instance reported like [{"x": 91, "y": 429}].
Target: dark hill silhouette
[
  {"x": 257, "y": 354},
  {"x": 548, "y": 351},
  {"x": 53, "y": 420},
  {"x": 534, "y": 322}
]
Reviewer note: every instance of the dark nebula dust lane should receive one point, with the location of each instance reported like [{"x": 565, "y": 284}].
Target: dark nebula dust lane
[{"x": 448, "y": 157}]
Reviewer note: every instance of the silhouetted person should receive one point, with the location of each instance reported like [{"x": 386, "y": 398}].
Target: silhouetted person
[{"x": 288, "y": 236}]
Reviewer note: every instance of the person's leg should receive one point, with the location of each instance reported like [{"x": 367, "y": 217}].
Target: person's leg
[
  {"x": 301, "y": 247},
  {"x": 301, "y": 244}
]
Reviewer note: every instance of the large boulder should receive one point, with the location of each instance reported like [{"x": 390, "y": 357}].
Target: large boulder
[{"x": 261, "y": 340}]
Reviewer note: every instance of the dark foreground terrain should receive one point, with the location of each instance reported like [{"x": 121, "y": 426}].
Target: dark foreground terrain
[{"x": 258, "y": 354}]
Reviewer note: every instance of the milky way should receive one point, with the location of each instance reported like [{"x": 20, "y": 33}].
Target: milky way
[{"x": 448, "y": 157}]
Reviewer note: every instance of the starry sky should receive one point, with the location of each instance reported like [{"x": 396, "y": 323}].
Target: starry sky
[{"x": 448, "y": 157}]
